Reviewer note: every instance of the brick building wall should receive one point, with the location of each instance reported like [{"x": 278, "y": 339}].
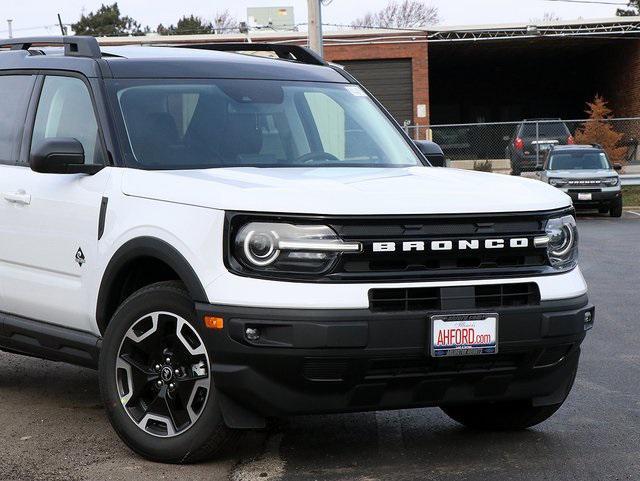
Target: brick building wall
[
  {"x": 623, "y": 70},
  {"x": 416, "y": 51}
]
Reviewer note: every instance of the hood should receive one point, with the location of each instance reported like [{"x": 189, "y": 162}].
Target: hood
[
  {"x": 582, "y": 174},
  {"x": 346, "y": 191}
]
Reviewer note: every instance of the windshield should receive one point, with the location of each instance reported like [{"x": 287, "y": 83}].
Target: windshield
[
  {"x": 194, "y": 124},
  {"x": 578, "y": 161}
]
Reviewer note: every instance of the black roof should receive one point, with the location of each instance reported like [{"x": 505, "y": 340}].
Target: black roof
[
  {"x": 81, "y": 54},
  {"x": 140, "y": 62}
]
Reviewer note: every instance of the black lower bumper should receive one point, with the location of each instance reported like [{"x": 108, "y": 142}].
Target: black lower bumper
[
  {"x": 598, "y": 198},
  {"x": 320, "y": 361}
]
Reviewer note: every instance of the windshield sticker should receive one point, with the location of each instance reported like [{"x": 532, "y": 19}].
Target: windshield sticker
[{"x": 355, "y": 90}]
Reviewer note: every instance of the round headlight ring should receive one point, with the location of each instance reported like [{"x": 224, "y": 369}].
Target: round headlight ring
[
  {"x": 270, "y": 254},
  {"x": 567, "y": 243},
  {"x": 611, "y": 181}
]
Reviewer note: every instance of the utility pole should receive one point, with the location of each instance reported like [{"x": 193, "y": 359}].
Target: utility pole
[
  {"x": 63, "y": 30},
  {"x": 315, "y": 26},
  {"x": 9, "y": 27}
]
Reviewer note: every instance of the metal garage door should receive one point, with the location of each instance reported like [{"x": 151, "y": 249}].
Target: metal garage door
[{"x": 389, "y": 80}]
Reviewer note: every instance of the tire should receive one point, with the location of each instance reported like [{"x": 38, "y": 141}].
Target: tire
[
  {"x": 515, "y": 167},
  {"x": 511, "y": 416},
  {"x": 155, "y": 378},
  {"x": 603, "y": 209},
  {"x": 616, "y": 208}
]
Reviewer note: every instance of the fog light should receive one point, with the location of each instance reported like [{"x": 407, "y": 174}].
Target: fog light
[
  {"x": 252, "y": 334},
  {"x": 588, "y": 320}
]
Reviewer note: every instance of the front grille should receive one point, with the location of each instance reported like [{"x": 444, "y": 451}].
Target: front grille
[
  {"x": 585, "y": 183},
  {"x": 455, "y": 262},
  {"x": 410, "y": 367},
  {"x": 452, "y": 298},
  {"x": 325, "y": 369},
  {"x": 413, "y": 262},
  {"x": 446, "y": 247}
]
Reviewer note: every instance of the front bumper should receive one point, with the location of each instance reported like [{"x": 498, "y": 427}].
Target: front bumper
[
  {"x": 323, "y": 360},
  {"x": 606, "y": 196}
]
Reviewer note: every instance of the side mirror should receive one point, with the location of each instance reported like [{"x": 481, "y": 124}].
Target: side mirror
[
  {"x": 617, "y": 167},
  {"x": 61, "y": 156},
  {"x": 539, "y": 168},
  {"x": 432, "y": 152}
]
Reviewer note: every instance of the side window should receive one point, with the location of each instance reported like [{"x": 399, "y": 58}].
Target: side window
[
  {"x": 65, "y": 109},
  {"x": 15, "y": 91}
]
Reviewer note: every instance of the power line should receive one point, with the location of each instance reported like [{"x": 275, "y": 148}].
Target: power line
[
  {"x": 39, "y": 27},
  {"x": 597, "y": 2},
  {"x": 377, "y": 27}
]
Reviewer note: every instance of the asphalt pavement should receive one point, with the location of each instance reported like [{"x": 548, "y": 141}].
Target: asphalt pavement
[{"x": 52, "y": 425}]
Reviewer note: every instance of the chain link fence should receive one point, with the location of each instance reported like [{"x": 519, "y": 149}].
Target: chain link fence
[{"x": 522, "y": 146}]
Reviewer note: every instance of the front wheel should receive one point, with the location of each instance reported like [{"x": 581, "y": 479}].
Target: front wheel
[
  {"x": 500, "y": 416},
  {"x": 155, "y": 378}
]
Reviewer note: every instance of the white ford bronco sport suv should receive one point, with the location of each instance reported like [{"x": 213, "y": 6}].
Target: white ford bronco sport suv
[{"x": 229, "y": 238}]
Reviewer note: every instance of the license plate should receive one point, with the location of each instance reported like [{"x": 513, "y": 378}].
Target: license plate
[
  {"x": 464, "y": 334},
  {"x": 584, "y": 196}
]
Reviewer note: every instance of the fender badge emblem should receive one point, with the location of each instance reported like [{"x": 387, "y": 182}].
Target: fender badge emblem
[{"x": 80, "y": 257}]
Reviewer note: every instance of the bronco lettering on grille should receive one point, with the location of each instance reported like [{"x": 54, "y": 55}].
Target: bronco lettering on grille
[{"x": 449, "y": 245}]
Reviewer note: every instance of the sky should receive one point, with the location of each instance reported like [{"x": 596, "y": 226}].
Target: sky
[{"x": 38, "y": 17}]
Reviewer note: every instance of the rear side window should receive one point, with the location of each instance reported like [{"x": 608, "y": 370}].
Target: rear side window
[
  {"x": 66, "y": 110},
  {"x": 15, "y": 91}
]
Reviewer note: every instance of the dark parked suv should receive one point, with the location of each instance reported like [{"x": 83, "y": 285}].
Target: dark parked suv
[{"x": 532, "y": 139}]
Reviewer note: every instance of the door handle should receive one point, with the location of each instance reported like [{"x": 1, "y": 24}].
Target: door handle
[{"x": 19, "y": 197}]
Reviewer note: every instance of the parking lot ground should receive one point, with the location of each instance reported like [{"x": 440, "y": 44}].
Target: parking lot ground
[{"x": 54, "y": 428}]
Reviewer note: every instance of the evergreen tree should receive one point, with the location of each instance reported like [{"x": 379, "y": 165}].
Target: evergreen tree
[
  {"x": 107, "y": 22},
  {"x": 190, "y": 25},
  {"x": 598, "y": 130}
]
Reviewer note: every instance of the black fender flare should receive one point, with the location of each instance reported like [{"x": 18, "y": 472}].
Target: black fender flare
[{"x": 147, "y": 247}]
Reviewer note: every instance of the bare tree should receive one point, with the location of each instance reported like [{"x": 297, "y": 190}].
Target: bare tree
[
  {"x": 400, "y": 14},
  {"x": 224, "y": 22},
  {"x": 633, "y": 10}
]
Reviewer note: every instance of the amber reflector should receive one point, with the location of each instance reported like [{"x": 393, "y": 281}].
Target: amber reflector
[{"x": 213, "y": 322}]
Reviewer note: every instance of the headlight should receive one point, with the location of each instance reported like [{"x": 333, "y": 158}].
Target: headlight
[
  {"x": 562, "y": 242},
  {"x": 289, "y": 248},
  {"x": 557, "y": 182},
  {"x": 610, "y": 181}
]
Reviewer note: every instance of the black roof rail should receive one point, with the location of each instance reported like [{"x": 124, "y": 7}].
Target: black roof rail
[
  {"x": 74, "y": 46},
  {"x": 284, "y": 51}
]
